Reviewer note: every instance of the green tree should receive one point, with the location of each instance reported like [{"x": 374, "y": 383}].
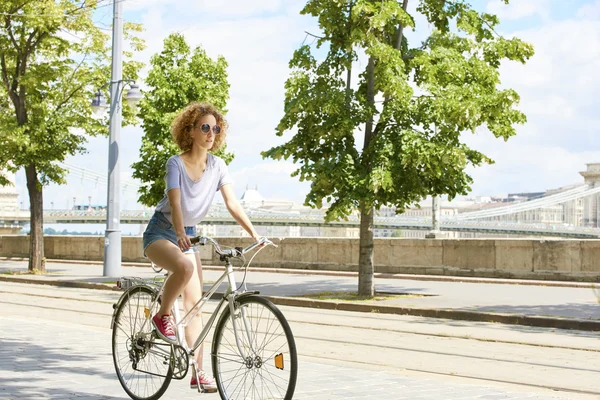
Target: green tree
[
  {"x": 427, "y": 95},
  {"x": 52, "y": 59},
  {"x": 178, "y": 77}
]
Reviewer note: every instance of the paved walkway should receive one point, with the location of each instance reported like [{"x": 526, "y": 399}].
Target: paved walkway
[
  {"x": 560, "y": 300},
  {"x": 46, "y": 363}
]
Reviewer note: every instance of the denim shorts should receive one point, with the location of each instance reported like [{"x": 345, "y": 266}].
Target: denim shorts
[{"x": 160, "y": 228}]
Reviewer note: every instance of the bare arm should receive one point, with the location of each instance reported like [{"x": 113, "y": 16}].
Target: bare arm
[
  {"x": 237, "y": 212},
  {"x": 174, "y": 196}
]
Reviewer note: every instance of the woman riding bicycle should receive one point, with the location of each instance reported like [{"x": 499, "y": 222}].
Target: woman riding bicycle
[{"x": 192, "y": 179}]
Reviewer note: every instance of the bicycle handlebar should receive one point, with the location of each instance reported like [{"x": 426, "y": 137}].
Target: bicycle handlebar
[{"x": 236, "y": 252}]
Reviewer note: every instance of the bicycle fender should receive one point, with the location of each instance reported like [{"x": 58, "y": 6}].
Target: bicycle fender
[{"x": 247, "y": 294}]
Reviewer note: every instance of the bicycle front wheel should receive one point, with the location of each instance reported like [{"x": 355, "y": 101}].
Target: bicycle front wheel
[
  {"x": 142, "y": 362},
  {"x": 254, "y": 353}
]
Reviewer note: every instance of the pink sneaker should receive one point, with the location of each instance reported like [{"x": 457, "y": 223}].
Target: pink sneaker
[
  {"x": 164, "y": 328},
  {"x": 207, "y": 384}
]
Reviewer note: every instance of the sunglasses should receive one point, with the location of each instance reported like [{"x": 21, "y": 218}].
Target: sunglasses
[{"x": 205, "y": 128}]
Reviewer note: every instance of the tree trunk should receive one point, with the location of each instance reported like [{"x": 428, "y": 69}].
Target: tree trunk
[
  {"x": 366, "y": 286},
  {"x": 366, "y": 269},
  {"x": 400, "y": 31},
  {"x": 36, "y": 208},
  {"x": 349, "y": 72}
]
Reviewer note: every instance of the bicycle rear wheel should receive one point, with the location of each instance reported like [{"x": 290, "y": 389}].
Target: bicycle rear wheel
[
  {"x": 142, "y": 361},
  {"x": 268, "y": 367}
]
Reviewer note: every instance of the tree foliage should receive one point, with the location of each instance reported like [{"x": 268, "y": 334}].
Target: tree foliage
[
  {"x": 52, "y": 60},
  {"x": 429, "y": 93},
  {"x": 178, "y": 77}
]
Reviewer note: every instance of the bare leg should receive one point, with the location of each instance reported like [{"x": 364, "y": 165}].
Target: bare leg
[
  {"x": 169, "y": 256},
  {"x": 191, "y": 294}
]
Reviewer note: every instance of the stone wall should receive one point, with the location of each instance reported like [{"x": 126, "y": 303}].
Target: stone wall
[{"x": 503, "y": 258}]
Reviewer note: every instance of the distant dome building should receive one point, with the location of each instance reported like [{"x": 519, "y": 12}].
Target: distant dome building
[{"x": 252, "y": 197}]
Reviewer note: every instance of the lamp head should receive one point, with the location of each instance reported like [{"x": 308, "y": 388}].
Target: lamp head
[
  {"x": 99, "y": 104},
  {"x": 133, "y": 96}
]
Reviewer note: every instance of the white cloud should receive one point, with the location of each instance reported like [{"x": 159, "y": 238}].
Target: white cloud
[
  {"x": 137, "y": 5},
  {"x": 590, "y": 11},
  {"x": 257, "y": 48},
  {"x": 526, "y": 167},
  {"x": 559, "y": 85},
  {"x": 234, "y": 8},
  {"x": 559, "y": 89},
  {"x": 519, "y": 9}
]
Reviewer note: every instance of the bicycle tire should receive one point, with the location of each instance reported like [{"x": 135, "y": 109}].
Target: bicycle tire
[
  {"x": 143, "y": 297},
  {"x": 279, "y": 349}
]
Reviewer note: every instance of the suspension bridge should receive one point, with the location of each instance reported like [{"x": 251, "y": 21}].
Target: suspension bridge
[{"x": 578, "y": 207}]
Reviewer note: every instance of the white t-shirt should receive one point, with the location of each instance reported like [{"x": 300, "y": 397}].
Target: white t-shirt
[{"x": 196, "y": 196}]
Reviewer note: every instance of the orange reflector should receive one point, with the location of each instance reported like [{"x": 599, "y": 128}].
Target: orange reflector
[
  {"x": 147, "y": 312},
  {"x": 279, "y": 361}
]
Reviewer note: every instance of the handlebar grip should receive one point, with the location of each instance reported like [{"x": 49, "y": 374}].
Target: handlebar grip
[{"x": 195, "y": 240}]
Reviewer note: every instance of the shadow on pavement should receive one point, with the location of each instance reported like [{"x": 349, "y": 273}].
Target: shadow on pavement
[{"x": 33, "y": 371}]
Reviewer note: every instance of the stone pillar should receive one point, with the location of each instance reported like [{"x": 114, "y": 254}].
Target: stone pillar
[
  {"x": 591, "y": 204},
  {"x": 435, "y": 219}
]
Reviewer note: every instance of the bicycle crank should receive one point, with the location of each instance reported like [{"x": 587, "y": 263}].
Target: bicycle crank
[{"x": 180, "y": 362}]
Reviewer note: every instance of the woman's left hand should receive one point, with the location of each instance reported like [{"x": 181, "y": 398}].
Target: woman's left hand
[{"x": 256, "y": 238}]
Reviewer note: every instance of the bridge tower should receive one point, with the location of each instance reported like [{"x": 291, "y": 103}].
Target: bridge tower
[
  {"x": 591, "y": 204},
  {"x": 8, "y": 194},
  {"x": 9, "y": 204}
]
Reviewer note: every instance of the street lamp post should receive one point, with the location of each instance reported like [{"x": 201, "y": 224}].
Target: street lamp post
[{"x": 112, "y": 235}]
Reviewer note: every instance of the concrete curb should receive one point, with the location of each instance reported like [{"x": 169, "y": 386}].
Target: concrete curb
[
  {"x": 509, "y": 319},
  {"x": 51, "y": 282},
  {"x": 350, "y": 274}
]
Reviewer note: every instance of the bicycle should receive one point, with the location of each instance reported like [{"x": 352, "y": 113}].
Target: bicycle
[{"x": 253, "y": 352}]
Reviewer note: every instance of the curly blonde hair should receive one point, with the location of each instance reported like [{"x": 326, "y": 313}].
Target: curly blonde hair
[{"x": 186, "y": 121}]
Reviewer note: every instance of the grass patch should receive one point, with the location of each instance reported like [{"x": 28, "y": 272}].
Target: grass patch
[
  {"x": 354, "y": 297},
  {"x": 26, "y": 272}
]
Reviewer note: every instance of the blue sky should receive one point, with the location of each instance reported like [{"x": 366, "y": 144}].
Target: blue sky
[{"x": 559, "y": 93}]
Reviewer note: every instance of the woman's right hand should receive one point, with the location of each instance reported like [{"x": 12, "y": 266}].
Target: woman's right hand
[{"x": 183, "y": 241}]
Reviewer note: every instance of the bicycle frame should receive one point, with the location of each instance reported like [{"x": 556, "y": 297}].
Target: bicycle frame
[{"x": 229, "y": 296}]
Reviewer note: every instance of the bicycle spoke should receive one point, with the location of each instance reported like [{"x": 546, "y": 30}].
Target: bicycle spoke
[
  {"x": 231, "y": 360},
  {"x": 237, "y": 373},
  {"x": 133, "y": 347},
  {"x": 261, "y": 331}
]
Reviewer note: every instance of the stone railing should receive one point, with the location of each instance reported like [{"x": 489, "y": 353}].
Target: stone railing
[{"x": 505, "y": 258}]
